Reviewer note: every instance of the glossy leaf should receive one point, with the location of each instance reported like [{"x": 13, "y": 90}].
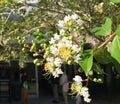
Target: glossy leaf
[
  {"x": 87, "y": 61},
  {"x": 104, "y": 30},
  {"x": 115, "y": 48},
  {"x": 102, "y": 56}
]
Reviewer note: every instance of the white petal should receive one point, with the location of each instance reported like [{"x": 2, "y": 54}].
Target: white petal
[{"x": 78, "y": 79}]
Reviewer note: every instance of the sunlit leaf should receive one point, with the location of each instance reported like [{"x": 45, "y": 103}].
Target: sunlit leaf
[
  {"x": 104, "y": 30},
  {"x": 118, "y": 30},
  {"x": 115, "y": 48}
]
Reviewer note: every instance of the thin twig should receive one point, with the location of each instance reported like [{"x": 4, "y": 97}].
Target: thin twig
[{"x": 107, "y": 40}]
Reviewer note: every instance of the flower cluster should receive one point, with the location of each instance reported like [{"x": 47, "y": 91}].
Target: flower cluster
[
  {"x": 70, "y": 21},
  {"x": 78, "y": 88},
  {"x": 65, "y": 46}
]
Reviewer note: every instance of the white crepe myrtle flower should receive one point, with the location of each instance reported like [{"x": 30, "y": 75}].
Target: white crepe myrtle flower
[
  {"x": 76, "y": 48},
  {"x": 57, "y": 72},
  {"x": 85, "y": 94},
  {"x": 64, "y": 46},
  {"x": 52, "y": 40},
  {"x": 56, "y": 36},
  {"x": 77, "y": 79},
  {"x": 74, "y": 16},
  {"x": 58, "y": 62},
  {"x": 87, "y": 99},
  {"x": 80, "y": 90},
  {"x": 50, "y": 59},
  {"x": 61, "y": 31},
  {"x": 60, "y": 24},
  {"x": 54, "y": 50},
  {"x": 67, "y": 18},
  {"x": 68, "y": 21},
  {"x": 77, "y": 18},
  {"x": 77, "y": 58}
]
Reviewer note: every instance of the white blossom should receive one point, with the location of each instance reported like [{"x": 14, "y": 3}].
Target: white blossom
[
  {"x": 85, "y": 94},
  {"x": 61, "y": 31},
  {"x": 76, "y": 48},
  {"x": 57, "y": 72},
  {"x": 74, "y": 16},
  {"x": 77, "y": 58},
  {"x": 67, "y": 18},
  {"x": 50, "y": 59},
  {"x": 58, "y": 62},
  {"x": 52, "y": 41},
  {"x": 77, "y": 79},
  {"x": 60, "y": 24},
  {"x": 54, "y": 50},
  {"x": 56, "y": 36},
  {"x": 87, "y": 99}
]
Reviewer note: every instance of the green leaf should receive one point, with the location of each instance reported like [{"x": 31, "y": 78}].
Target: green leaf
[
  {"x": 115, "y": 1},
  {"x": 117, "y": 66},
  {"x": 115, "y": 48},
  {"x": 87, "y": 61},
  {"x": 104, "y": 30},
  {"x": 96, "y": 67},
  {"x": 102, "y": 56},
  {"x": 118, "y": 30}
]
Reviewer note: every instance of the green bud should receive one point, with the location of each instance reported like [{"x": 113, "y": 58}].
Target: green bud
[
  {"x": 23, "y": 41},
  {"x": 45, "y": 45},
  {"x": 23, "y": 49},
  {"x": 63, "y": 34},
  {"x": 69, "y": 62},
  {"x": 95, "y": 80},
  {"x": 25, "y": 45},
  {"x": 35, "y": 54},
  {"x": 70, "y": 37},
  {"x": 19, "y": 41},
  {"x": 36, "y": 61},
  {"x": 100, "y": 80},
  {"x": 31, "y": 49},
  {"x": 38, "y": 64},
  {"x": 18, "y": 37}
]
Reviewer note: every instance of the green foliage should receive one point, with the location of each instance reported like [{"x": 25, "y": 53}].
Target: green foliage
[
  {"x": 115, "y": 1},
  {"x": 104, "y": 30},
  {"x": 118, "y": 30},
  {"x": 87, "y": 61},
  {"x": 115, "y": 48},
  {"x": 97, "y": 68},
  {"x": 35, "y": 23},
  {"x": 117, "y": 65},
  {"x": 102, "y": 56}
]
